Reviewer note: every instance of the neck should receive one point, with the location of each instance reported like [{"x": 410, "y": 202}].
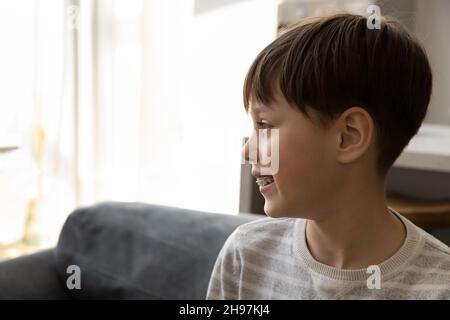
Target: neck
[{"x": 359, "y": 232}]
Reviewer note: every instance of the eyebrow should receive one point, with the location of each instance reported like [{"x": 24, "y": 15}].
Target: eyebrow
[{"x": 264, "y": 108}]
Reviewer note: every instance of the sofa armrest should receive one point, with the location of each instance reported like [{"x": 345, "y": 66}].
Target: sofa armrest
[
  {"x": 31, "y": 277},
  {"x": 143, "y": 251}
]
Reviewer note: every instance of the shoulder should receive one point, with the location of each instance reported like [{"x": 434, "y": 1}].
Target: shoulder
[
  {"x": 433, "y": 246},
  {"x": 265, "y": 228},
  {"x": 428, "y": 273},
  {"x": 436, "y": 248},
  {"x": 428, "y": 246},
  {"x": 259, "y": 230},
  {"x": 432, "y": 261},
  {"x": 271, "y": 235},
  {"x": 266, "y": 224}
]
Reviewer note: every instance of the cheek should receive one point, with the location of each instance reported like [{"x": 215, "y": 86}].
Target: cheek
[
  {"x": 304, "y": 161},
  {"x": 303, "y": 179}
]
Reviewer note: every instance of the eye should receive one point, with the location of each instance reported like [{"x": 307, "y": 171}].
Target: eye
[{"x": 263, "y": 125}]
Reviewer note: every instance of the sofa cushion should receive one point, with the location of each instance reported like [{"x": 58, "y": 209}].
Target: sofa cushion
[{"x": 142, "y": 251}]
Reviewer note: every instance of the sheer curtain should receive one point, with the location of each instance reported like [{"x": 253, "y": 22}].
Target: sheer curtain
[
  {"x": 142, "y": 101},
  {"x": 194, "y": 66},
  {"x": 55, "y": 115},
  {"x": 17, "y": 172},
  {"x": 37, "y": 114},
  {"x": 168, "y": 117}
]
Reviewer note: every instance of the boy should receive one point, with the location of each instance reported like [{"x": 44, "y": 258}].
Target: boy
[{"x": 346, "y": 100}]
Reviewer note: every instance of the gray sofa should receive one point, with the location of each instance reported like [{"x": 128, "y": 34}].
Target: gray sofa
[{"x": 125, "y": 251}]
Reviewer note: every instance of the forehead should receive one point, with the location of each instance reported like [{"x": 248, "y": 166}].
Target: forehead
[{"x": 275, "y": 100}]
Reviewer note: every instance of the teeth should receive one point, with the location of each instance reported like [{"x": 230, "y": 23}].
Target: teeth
[{"x": 262, "y": 181}]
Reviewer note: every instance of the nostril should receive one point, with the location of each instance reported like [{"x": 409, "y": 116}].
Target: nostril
[{"x": 256, "y": 172}]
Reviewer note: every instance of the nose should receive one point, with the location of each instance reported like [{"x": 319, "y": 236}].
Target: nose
[
  {"x": 245, "y": 154},
  {"x": 262, "y": 159},
  {"x": 256, "y": 172}
]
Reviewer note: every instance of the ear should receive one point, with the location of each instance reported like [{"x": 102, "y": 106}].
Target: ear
[{"x": 355, "y": 130}]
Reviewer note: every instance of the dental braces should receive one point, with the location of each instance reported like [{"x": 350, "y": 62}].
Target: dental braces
[{"x": 262, "y": 181}]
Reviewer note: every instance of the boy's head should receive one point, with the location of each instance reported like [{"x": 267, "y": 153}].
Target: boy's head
[{"x": 346, "y": 100}]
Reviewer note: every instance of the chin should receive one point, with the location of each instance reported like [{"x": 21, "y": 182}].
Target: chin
[
  {"x": 275, "y": 209},
  {"x": 272, "y": 210}
]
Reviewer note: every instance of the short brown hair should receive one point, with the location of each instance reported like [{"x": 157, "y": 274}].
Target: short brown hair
[{"x": 335, "y": 62}]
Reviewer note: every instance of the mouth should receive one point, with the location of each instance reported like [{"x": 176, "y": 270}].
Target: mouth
[
  {"x": 264, "y": 180},
  {"x": 265, "y": 183}
]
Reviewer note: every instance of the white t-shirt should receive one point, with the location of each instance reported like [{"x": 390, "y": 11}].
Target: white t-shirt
[{"x": 269, "y": 259}]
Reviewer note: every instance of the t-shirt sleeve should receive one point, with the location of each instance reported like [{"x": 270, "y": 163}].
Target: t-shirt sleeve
[{"x": 224, "y": 281}]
